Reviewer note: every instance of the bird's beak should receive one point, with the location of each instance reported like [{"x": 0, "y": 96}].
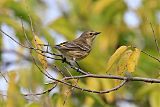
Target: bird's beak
[{"x": 96, "y": 33}]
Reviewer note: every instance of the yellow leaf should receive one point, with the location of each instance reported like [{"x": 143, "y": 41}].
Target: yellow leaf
[
  {"x": 89, "y": 101},
  {"x": 122, "y": 64},
  {"x": 154, "y": 98},
  {"x": 14, "y": 97},
  {"x": 90, "y": 85},
  {"x": 108, "y": 84},
  {"x": 41, "y": 56},
  {"x": 11, "y": 90},
  {"x": 115, "y": 56},
  {"x": 133, "y": 60},
  {"x": 38, "y": 42}
]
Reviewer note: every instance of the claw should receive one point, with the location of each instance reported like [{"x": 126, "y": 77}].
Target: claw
[{"x": 63, "y": 60}]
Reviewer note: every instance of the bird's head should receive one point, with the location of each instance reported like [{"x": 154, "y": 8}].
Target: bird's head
[{"x": 89, "y": 36}]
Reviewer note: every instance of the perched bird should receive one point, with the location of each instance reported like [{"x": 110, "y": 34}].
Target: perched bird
[{"x": 79, "y": 48}]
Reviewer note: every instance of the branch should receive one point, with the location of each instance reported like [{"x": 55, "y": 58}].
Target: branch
[
  {"x": 85, "y": 74},
  {"x": 31, "y": 48},
  {"x": 149, "y": 80},
  {"x": 3, "y": 77},
  {"x": 99, "y": 76},
  {"x": 75, "y": 68},
  {"x": 155, "y": 39},
  {"x": 150, "y": 56},
  {"x": 44, "y": 92},
  {"x": 75, "y": 86}
]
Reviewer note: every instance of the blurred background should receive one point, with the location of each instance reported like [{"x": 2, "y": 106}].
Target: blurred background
[{"x": 122, "y": 22}]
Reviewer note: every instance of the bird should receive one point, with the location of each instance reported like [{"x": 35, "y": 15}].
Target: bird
[{"x": 78, "y": 48}]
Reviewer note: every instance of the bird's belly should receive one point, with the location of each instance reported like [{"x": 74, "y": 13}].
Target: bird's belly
[{"x": 76, "y": 55}]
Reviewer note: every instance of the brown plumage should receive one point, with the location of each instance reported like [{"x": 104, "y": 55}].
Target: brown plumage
[{"x": 78, "y": 48}]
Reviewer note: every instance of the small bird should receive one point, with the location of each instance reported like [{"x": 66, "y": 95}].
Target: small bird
[{"x": 79, "y": 48}]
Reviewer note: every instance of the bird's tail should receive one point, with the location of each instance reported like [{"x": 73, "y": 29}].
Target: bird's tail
[{"x": 56, "y": 46}]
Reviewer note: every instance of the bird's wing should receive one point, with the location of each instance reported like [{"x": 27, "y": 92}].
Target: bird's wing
[{"x": 73, "y": 46}]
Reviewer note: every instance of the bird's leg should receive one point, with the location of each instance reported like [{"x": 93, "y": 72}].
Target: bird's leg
[
  {"x": 80, "y": 71},
  {"x": 64, "y": 60},
  {"x": 78, "y": 66}
]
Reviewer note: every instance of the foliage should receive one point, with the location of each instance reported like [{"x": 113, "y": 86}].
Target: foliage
[{"x": 106, "y": 16}]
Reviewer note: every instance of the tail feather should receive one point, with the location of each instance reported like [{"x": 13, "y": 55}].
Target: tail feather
[{"x": 56, "y": 46}]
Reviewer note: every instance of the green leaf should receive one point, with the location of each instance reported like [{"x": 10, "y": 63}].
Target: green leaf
[
  {"x": 62, "y": 26},
  {"x": 48, "y": 36},
  {"x": 145, "y": 90}
]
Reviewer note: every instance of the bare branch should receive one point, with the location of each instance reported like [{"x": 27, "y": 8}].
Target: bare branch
[
  {"x": 31, "y": 48},
  {"x": 25, "y": 34},
  {"x": 149, "y": 80},
  {"x": 4, "y": 77},
  {"x": 155, "y": 39},
  {"x": 44, "y": 92},
  {"x": 150, "y": 56}
]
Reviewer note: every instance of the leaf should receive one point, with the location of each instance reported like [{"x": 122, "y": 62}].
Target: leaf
[
  {"x": 62, "y": 26},
  {"x": 133, "y": 60},
  {"x": 115, "y": 56},
  {"x": 91, "y": 86},
  {"x": 14, "y": 98},
  {"x": 39, "y": 45},
  {"x": 145, "y": 90},
  {"x": 15, "y": 25},
  {"x": 154, "y": 98},
  {"x": 55, "y": 98},
  {"x": 122, "y": 64},
  {"x": 101, "y": 5},
  {"x": 89, "y": 101},
  {"x": 48, "y": 36},
  {"x": 11, "y": 90},
  {"x": 108, "y": 84},
  {"x": 97, "y": 99}
]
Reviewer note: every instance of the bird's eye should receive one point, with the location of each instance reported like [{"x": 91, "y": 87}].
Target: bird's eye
[{"x": 90, "y": 33}]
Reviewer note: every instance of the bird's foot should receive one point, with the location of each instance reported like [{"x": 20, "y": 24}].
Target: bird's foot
[{"x": 64, "y": 60}]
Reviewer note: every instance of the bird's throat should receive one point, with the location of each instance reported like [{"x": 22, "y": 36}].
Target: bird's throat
[{"x": 89, "y": 41}]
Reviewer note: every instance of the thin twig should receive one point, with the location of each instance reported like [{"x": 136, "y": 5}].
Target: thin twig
[
  {"x": 25, "y": 34},
  {"x": 32, "y": 48},
  {"x": 77, "y": 69},
  {"x": 4, "y": 77},
  {"x": 150, "y": 56},
  {"x": 44, "y": 92},
  {"x": 70, "y": 90},
  {"x": 65, "y": 100},
  {"x": 41, "y": 93},
  {"x": 58, "y": 70},
  {"x": 155, "y": 39}
]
